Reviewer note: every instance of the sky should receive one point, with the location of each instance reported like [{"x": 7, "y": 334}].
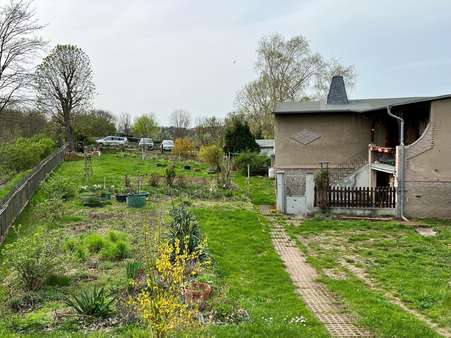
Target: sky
[{"x": 154, "y": 56}]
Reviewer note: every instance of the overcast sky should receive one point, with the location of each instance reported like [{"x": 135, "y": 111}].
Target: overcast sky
[{"x": 157, "y": 56}]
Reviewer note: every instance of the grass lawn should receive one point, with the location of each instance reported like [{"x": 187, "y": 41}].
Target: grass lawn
[
  {"x": 10, "y": 185},
  {"x": 415, "y": 269},
  {"x": 261, "y": 190},
  {"x": 239, "y": 241},
  {"x": 113, "y": 167}
]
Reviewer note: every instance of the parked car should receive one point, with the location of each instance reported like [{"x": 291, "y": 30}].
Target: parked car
[
  {"x": 167, "y": 145},
  {"x": 146, "y": 143},
  {"x": 112, "y": 140}
]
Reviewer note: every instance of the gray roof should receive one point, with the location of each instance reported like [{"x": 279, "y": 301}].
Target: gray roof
[
  {"x": 356, "y": 106},
  {"x": 265, "y": 143}
]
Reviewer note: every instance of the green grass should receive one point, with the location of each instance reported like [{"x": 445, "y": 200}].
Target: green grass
[
  {"x": 11, "y": 184},
  {"x": 240, "y": 244},
  {"x": 261, "y": 190},
  {"x": 415, "y": 269},
  {"x": 113, "y": 167}
]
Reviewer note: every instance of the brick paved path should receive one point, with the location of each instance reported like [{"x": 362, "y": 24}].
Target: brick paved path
[{"x": 321, "y": 302}]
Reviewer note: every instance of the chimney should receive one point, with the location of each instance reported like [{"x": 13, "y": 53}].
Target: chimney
[{"x": 337, "y": 91}]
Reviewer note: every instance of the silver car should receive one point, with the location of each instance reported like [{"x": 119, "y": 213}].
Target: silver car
[
  {"x": 112, "y": 140},
  {"x": 146, "y": 143},
  {"x": 167, "y": 145}
]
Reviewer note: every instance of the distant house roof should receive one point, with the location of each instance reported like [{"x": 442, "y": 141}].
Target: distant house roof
[
  {"x": 355, "y": 106},
  {"x": 265, "y": 143},
  {"x": 338, "y": 102}
]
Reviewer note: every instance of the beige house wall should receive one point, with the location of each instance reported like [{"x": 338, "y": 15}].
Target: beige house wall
[
  {"x": 428, "y": 167},
  {"x": 342, "y": 137}
]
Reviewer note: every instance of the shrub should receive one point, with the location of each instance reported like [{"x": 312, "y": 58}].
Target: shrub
[
  {"x": 170, "y": 175},
  {"x": 94, "y": 242},
  {"x": 24, "y": 302},
  {"x": 34, "y": 258},
  {"x": 92, "y": 302},
  {"x": 25, "y": 153},
  {"x": 258, "y": 163},
  {"x": 160, "y": 304},
  {"x": 238, "y": 138},
  {"x": 51, "y": 210},
  {"x": 75, "y": 248},
  {"x": 184, "y": 229},
  {"x": 321, "y": 184},
  {"x": 183, "y": 147},
  {"x": 116, "y": 250},
  {"x": 154, "y": 180},
  {"x": 212, "y": 155},
  {"x": 59, "y": 187},
  {"x": 115, "y": 236}
]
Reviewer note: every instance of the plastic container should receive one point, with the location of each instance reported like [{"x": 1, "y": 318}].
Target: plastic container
[{"x": 137, "y": 200}]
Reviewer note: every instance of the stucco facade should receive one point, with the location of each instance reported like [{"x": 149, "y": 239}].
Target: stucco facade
[
  {"x": 339, "y": 137},
  {"x": 428, "y": 167}
]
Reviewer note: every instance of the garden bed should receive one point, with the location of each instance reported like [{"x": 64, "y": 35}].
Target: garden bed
[{"x": 93, "y": 247}]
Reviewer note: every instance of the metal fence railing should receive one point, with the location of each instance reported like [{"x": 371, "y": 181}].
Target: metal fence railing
[{"x": 16, "y": 200}]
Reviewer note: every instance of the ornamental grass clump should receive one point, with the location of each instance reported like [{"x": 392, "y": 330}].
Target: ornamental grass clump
[{"x": 96, "y": 302}]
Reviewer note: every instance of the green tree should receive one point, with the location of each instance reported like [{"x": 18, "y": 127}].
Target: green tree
[
  {"x": 64, "y": 86},
  {"x": 238, "y": 138},
  {"x": 94, "y": 123},
  {"x": 145, "y": 126}
]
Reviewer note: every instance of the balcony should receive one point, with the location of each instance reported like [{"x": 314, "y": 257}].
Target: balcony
[{"x": 382, "y": 158}]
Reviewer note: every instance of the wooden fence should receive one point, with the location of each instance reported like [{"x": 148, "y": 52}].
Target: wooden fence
[
  {"x": 361, "y": 197},
  {"x": 13, "y": 204}
]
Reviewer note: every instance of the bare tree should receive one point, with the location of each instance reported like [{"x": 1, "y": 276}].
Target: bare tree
[
  {"x": 181, "y": 121},
  {"x": 18, "y": 48},
  {"x": 64, "y": 86},
  {"x": 287, "y": 70},
  {"x": 125, "y": 124},
  {"x": 209, "y": 130}
]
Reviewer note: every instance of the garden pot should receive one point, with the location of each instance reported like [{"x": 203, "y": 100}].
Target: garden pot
[
  {"x": 197, "y": 293},
  {"x": 121, "y": 198},
  {"x": 106, "y": 195},
  {"x": 137, "y": 200},
  {"x": 91, "y": 199}
]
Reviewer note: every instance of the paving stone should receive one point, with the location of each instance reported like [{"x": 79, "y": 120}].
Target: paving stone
[{"x": 320, "y": 301}]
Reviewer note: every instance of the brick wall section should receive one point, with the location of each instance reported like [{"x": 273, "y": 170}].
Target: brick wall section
[
  {"x": 428, "y": 167},
  {"x": 428, "y": 199},
  {"x": 424, "y": 143}
]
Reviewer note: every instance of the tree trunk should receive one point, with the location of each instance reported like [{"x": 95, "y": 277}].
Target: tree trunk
[{"x": 69, "y": 131}]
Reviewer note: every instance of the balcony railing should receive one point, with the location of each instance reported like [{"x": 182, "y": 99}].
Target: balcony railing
[{"x": 384, "y": 155}]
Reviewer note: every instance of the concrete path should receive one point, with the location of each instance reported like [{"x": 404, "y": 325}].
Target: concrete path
[{"x": 320, "y": 301}]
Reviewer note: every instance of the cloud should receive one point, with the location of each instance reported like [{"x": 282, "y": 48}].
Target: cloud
[{"x": 157, "y": 56}]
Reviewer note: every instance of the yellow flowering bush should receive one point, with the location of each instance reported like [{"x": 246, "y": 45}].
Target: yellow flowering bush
[{"x": 161, "y": 304}]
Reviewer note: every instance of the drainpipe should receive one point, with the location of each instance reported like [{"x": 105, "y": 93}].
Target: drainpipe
[{"x": 400, "y": 191}]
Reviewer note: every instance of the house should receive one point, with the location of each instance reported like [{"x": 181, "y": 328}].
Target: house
[
  {"x": 266, "y": 147},
  {"x": 402, "y": 144}
]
